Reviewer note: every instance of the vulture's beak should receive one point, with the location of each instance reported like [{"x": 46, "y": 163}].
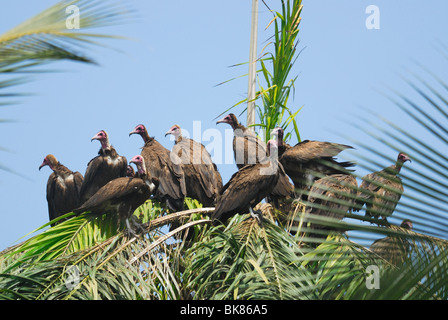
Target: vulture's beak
[
  {"x": 42, "y": 165},
  {"x": 168, "y": 132},
  {"x": 94, "y": 138},
  {"x": 223, "y": 120}
]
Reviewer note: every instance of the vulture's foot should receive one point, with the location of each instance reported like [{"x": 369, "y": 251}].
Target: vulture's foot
[
  {"x": 136, "y": 229},
  {"x": 257, "y": 215}
]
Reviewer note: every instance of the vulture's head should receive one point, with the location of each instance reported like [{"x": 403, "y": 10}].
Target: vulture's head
[
  {"x": 139, "y": 129},
  {"x": 278, "y": 134},
  {"x": 403, "y": 157},
  {"x": 130, "y": 171},
  {"x": 175, "y": 131},
  {"x": 407, "y": 224},
  {"x": 229, "y": 119},
  {"x": 139, "y": 163},
  {"x": 102, "y": 137},
  {"x": 49, "y": 160}
]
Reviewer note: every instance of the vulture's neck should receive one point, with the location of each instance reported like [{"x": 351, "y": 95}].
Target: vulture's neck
[
  {"x": 236, "y": 125},
  {"x": 395, "y": 169},
  {"x": 105, "y": 144},
  {"x": 109, "y": 151},
  {"x": 61, "y": 170},
  {"x": 282, "y": 148},
  {"x": 146, "y": 137},
  {"x": 178, "y": 139}
]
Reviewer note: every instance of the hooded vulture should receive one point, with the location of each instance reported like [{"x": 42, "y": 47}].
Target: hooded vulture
[
  {"x": 393, "y": 249},
  {"x": 309, "y": 160},
  {"x": 63, "y": 188},
  {"x": 247, "y": 187},
  {"x": 122, "y": 196},
  {"x": 331, "y": 196},
  {"x": 159, "y": 165},
  {"x": 380, "y": 191},
  {"x": 202, "y": 177},
  {"x": 247, "y": 147},
  {"x": 108, "y": 165}
]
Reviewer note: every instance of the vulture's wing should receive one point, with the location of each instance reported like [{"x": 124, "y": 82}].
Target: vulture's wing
[
  {"x": 308, "y": 150},
  {"x": 113, "y": 190},
  {"x": 201, "y": 165},
  {"x": 387, "y": 196},
  {"x": 246, "y": 187},
  {"x": 51, "y": 194},
  {"x": 159, "y": 165},
  {"x": 334, "y": 195},
  {"x": 78, "y": 179}
]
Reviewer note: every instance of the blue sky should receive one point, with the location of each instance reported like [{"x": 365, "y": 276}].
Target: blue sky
[{"x": 167, "y": 73}]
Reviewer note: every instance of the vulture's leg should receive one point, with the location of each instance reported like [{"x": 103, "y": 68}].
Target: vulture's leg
[
  {"x": 257, "y": 216},
  {"x": 131, "y": 232},
  {"x": 137, "y": 224}
]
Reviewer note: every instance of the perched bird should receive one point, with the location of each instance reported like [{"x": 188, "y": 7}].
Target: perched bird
[
  {"x": 393, "y": 249},
  {"x": 331, "y": 196},
  {"x": 106, "y": 166},
  {"x": 159, "y": 165},
  {"x": 63, "y": 188},
  {"x": 247, "y": 147},
  {"x": 380, "y": 191},
  {"x": 122, "y": 196},
  {"x": 247, "y": 187},
  {"x": 202, "y": 178},
  {"x": 309, "y": 160}
]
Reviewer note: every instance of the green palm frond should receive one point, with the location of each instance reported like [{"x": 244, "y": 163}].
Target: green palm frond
[
  {"x": 47, "y": 36},
  {"x": 244, "y": 261}
]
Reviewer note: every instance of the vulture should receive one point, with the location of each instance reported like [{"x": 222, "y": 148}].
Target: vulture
[
  {"x": 123, "y": 195},
  {"x": 309, "y": 160},
  {"x": 106, "y": 166},
  {"x": 63, "y": 188},
  {"x": 172, "y": 189},
  {"x": 380, "y": 191},
  {"x": 247, "y": 187},
  {"x": 202, "y": 178},
  {"x": 393, "y": 249},
  {"x": 247, "y": 147},
  {"x": 332, "y": 196}
]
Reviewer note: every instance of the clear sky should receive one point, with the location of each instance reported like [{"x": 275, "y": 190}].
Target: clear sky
[{"x": 166, "y": 74}]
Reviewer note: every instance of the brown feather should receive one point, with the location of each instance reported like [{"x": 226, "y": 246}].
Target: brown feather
[
  {"x": 245, "y": 189},
  {"x": 202, "y": 178},
  {"x": 310, "y": 160},
  {"x": 332, "y": 196},
  {"x": 121, "y": 196}
]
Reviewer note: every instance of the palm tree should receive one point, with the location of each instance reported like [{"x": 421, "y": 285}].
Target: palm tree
[{"x": 87, "y": 257}]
